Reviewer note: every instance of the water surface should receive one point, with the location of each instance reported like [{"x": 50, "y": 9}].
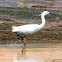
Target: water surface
[{"x": 33, "y": 52}]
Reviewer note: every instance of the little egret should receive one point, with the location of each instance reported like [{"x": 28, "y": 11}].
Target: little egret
[{"x": 30, "y": 28}]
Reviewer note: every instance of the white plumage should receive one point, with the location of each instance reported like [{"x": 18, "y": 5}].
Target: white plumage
[{"x": 31, "y": 28}]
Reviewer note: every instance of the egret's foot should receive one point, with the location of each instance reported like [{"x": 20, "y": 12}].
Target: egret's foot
[{"x": 24, "y": 44}]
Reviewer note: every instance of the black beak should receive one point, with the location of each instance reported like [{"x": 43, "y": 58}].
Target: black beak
[{"x": 52, "y": 13}]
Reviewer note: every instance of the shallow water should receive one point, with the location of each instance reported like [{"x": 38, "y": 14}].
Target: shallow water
[
  {"x": 32, "y": 45},
  {"x": 33, "y": 52}
]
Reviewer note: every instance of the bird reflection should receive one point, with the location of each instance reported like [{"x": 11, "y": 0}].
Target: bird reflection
[
  {"x": 22, "y": 57},
  {"x": 24, "y": 51}
]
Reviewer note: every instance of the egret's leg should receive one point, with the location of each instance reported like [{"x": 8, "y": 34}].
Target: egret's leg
[
  {"x": 19, "y": 35},
  {"x": 24, "y": 41},
  {"x": 23, "y": 38}
]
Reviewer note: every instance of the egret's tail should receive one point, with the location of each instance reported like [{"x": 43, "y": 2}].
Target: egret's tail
[{"x": 14, "y": 28}]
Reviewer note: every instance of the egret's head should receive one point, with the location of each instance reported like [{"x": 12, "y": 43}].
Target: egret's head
[{"x": 45, "y": 13}]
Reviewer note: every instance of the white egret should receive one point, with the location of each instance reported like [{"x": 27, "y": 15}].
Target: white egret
[{"x": 31, "y": 28}]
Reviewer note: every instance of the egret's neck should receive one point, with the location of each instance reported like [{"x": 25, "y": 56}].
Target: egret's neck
[{"x": 43, "y": 21}]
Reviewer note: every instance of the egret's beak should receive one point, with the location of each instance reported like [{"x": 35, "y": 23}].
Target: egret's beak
[{"x": 52, "y": 13}]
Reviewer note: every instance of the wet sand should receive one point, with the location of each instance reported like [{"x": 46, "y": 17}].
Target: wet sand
[{"x": 40, "y": 52}]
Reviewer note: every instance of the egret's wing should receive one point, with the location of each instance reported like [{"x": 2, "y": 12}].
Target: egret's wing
[{"x": 27, "y": 28}]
